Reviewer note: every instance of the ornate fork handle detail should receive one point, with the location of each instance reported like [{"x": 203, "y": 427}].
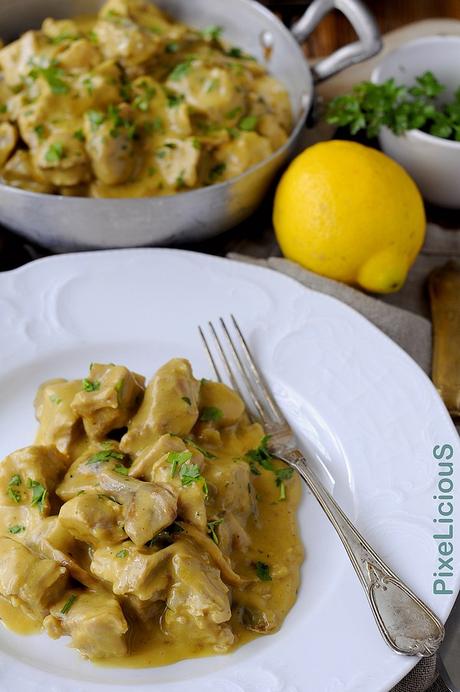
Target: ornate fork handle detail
[{"x": 405, "y": 622}]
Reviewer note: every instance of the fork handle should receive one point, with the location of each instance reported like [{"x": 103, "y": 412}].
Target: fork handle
[{"x": 406, "y": 623}]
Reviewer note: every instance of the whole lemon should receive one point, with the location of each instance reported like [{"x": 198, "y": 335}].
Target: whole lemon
[{"x": 351, "y": 213}]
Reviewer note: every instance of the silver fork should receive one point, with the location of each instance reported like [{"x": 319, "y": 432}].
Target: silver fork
[{"x": 405, "y": 622}]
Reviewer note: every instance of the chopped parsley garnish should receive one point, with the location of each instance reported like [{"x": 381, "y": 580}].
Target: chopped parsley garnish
[
  {"x": 39, "y": 494},
  {"x": 105, "y": 455},
  {"x": 204, "y": 452},
  {"x": 53, "y": 75},
  {"x": 180, "y": 182},
  {"x": 211, "y": 413},
  {"x": 65, "y": 36},
  {"x": 18, "y": 528},
  {"x": 188, "y": 473},
  {"x": 55, "y": 152},
  {"x": 212, "y": 529},
  {"x": 80, "y": 135},
  {"x": 89, "y": 86},
  {"x": 281, "y": 476},
  {"x": 181, "y": 70},
  {"x": 172, "y": 47},
  {"x": 3, "y": 108},
  {"x": 90, "y": 385},
  {"x": 253, "y": 466},
  {"x": 263, "y": 571},
  {"x": 212, "y": 33},
  {"x": 142, "y": 101},
  {"x": 155, "y": 125},
  {"x": 233, "y": 113},
  {"x": 234, "y": 52},
  {"x": 174, "y": 100},
  {"x": 187, "y": 400},
  {"x": 68, "y": 604},
  {"x": 248, "y": 124},
  {"x": 122, "y": 470},
  {"x": 55, "y": 399},
  {"x": 40, "y": 131},
  {"x": 177, "y": 459},
  {"x": 119, "y": 389},
  {"x": 196, "y": 143},
  {"x": 118, "y": 123},
  {"x": 213, "y": 85},
  {"x": 12, "y": 493},
  {"x": 217, "y": 171},
  {"x": 261, "y": 456},
  {"x": 122, "y": 553},
  {"x": 96, "y": 118}
]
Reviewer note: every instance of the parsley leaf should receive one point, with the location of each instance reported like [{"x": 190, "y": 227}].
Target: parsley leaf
[
  {"x": 122, "y": 553},
  {"x": 96, "y": 118},
  {"x": 204, "y": 452},
  {"x": 55, "y": 152},
  {"x": 55, "y": 399},
  {"x": 216, "y": 171},
  {"x": 211, "y": 413},
  {"x": 189, "y": 473},
  {"x": 122, "y": 470},
  {"x": 212, "y": 33},
  {"x": 263, "y": 571},
  {"x": 39, "y": 494},
  {"x": 248, "y": 124},
  {"x": 90, "y": 386},
  {"x": 181, "y": 70},
  {"x": 68, "y": 604},
  {"x": 105, "y": 455},
  {"x": 172, "y": 47},
  {"x": 53, "y": 75},
  {"x": 40, "y": 131},
  {"x": 261, "y": 455},
  {"x": 18, "y": 528},
  {"x": 281, "y": 476},
  {"x": 174, "y": 100},
  {"x": 13, "y": 494},
  {"x": 177, "y": 459},
  {"x": 212, "y": 529}
]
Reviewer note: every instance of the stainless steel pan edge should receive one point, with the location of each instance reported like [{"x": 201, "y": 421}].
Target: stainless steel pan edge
[{"x": 74, "y": 223}]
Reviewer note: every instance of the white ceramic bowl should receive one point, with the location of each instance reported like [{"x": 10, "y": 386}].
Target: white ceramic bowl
[{"x": 434, "y": 163}]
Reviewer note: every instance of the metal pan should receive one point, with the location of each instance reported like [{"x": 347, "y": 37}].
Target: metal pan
[{"x": 74, "y": 223}]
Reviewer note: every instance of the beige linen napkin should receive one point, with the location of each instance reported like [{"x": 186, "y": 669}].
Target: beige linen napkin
[{"x": 413, "y": 333}]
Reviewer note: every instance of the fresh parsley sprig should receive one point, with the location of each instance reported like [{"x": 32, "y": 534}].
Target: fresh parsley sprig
[
  {"x": 261, "y": 456},
  {"x": 371, "y": 106}
]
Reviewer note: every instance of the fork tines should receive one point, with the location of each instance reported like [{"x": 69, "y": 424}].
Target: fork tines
[{"x": 244, "y": 375}]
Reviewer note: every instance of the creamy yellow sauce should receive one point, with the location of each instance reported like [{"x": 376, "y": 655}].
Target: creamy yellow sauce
[
  {"x": 221, "y": 568},
  {"x": 131, "y": 103}
]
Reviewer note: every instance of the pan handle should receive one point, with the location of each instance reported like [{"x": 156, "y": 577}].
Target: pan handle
[{"x": 363, "y": 23}]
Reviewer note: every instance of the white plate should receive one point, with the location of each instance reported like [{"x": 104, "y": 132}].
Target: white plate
[{"x": 357, "y": 401}]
